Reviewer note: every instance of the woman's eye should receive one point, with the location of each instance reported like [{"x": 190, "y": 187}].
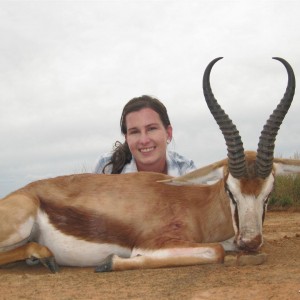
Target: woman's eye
[{"x": 133, "y": 132}]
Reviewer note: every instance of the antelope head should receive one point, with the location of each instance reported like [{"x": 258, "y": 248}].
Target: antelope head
[{"x": 248, "y": 176}]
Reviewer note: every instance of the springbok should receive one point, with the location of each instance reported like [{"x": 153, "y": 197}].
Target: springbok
[{"x": 150, "y": 220}]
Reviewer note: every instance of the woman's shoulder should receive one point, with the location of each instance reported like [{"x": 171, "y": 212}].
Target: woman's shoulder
[
  {"x": 176, "y": 157},
  {"x": 103, "y": 160},
  {"x": 178, "y": 164}
]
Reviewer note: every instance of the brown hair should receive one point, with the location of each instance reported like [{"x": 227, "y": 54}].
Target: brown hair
[{"x": 121, "y": 152}]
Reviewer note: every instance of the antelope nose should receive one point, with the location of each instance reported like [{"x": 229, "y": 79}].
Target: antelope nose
[{"x": 250, "y": 245}]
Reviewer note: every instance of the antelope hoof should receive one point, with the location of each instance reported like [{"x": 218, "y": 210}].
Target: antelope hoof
[
  {"x": 32, "y": 261},
  {"x": 50, "y": 263},
  {"x": 106, "y": 264}
]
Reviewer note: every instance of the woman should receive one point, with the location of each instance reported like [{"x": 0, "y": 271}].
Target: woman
[{"x": 147, "y": 129}]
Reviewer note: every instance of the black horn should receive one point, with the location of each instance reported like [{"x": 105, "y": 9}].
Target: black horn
[
  {"x": 265, "y": 151},
  {"x": 235, "y": 149}
]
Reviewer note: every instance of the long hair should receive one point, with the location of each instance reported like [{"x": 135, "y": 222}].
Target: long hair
[{"x": 121, "y": 153}]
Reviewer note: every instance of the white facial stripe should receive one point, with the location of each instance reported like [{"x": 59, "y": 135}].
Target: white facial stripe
[{"x": 250, "y": 209}]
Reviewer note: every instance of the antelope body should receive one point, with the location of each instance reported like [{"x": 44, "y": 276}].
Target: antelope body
[{"x": 150, "y": 220}]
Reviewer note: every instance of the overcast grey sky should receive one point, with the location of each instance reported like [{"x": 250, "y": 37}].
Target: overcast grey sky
[{"x": 68, "y": 67}]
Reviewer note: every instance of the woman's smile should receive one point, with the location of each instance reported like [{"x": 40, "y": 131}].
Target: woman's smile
[{"x": 147, "y": 150}]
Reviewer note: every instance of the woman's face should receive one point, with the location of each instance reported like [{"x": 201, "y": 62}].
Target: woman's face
[{"x": 147, "y": 139}]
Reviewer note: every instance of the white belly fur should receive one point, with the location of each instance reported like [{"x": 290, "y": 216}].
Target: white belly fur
[{"x": 71, "y": 251}]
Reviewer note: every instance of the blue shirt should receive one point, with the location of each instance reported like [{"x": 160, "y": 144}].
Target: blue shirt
[{"x": 177, "y": 164}]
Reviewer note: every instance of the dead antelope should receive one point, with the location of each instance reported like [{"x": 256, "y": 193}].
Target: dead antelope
[{"x": 149, "y": 220}]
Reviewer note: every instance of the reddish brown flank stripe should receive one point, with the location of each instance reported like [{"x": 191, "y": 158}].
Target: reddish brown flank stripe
[{"x": 86, "y": 225}]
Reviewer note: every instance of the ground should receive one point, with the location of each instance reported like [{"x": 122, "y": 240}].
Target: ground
[{"x": 277, "y": 278}]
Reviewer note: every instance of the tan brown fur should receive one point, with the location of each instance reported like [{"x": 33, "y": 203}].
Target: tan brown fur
[
  {"x": 133, "y": 211},
  {"x": 90, "y": 202},
  {"x": 251, "y": 186},
  {"x": 13, "y": 210},
  {"x": 26, "y": 251}
]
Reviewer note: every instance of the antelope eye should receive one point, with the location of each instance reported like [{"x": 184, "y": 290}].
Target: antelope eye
[
  {"x": 230, "y": 196},
  {"x": 267, "y": 199}
]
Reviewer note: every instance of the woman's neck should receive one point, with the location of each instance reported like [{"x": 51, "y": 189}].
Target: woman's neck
[{"x": 161, "y": 168}]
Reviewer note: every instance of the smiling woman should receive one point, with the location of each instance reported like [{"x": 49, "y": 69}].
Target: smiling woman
[{"x": 147, "y": 129}]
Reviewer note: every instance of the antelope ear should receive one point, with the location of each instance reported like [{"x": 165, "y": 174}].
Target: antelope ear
[
  {"x": 286, "y": 166},
  {"x": 206, "y": 175}
]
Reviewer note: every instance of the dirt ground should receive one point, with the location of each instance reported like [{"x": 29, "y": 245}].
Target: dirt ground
[{"x": 277, "y": 278}]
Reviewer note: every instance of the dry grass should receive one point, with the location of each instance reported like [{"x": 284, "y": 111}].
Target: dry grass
[{"x": 286, "y": 193}]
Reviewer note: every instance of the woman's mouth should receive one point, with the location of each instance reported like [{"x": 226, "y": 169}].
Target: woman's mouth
[{"x": 146, "y": 150}]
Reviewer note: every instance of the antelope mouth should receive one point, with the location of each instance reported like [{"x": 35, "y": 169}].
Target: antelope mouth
[{"x": 250, "y": 245}]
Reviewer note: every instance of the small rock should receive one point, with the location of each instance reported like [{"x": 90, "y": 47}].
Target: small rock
[
  {"x": 252, "y": 259},
  {"x": 230, "y": 260},
  {"x": 245, "y": 259}
]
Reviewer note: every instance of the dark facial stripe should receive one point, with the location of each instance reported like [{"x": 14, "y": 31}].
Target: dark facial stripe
[
  {"x": 236, "y": 217},
  {"x": 236, "y": 213}
]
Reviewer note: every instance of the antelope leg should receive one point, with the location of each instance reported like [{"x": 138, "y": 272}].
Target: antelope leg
[
  {"x": 166, "y": 257},
  {"x": 30, "y": 250}
]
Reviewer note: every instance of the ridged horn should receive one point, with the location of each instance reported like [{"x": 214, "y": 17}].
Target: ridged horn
[
  {"x": 235, "y": 149},
  {"x": 265, "y": 151}
]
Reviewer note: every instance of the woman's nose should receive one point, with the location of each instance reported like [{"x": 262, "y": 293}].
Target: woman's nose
[{"x": 144, "y": 138}]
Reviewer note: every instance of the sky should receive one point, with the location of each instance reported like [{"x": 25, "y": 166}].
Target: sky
[{"x": 67, "y": 68}]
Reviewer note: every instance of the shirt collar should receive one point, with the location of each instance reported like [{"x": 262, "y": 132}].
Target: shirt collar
[{"x": 172, "y": 168}]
